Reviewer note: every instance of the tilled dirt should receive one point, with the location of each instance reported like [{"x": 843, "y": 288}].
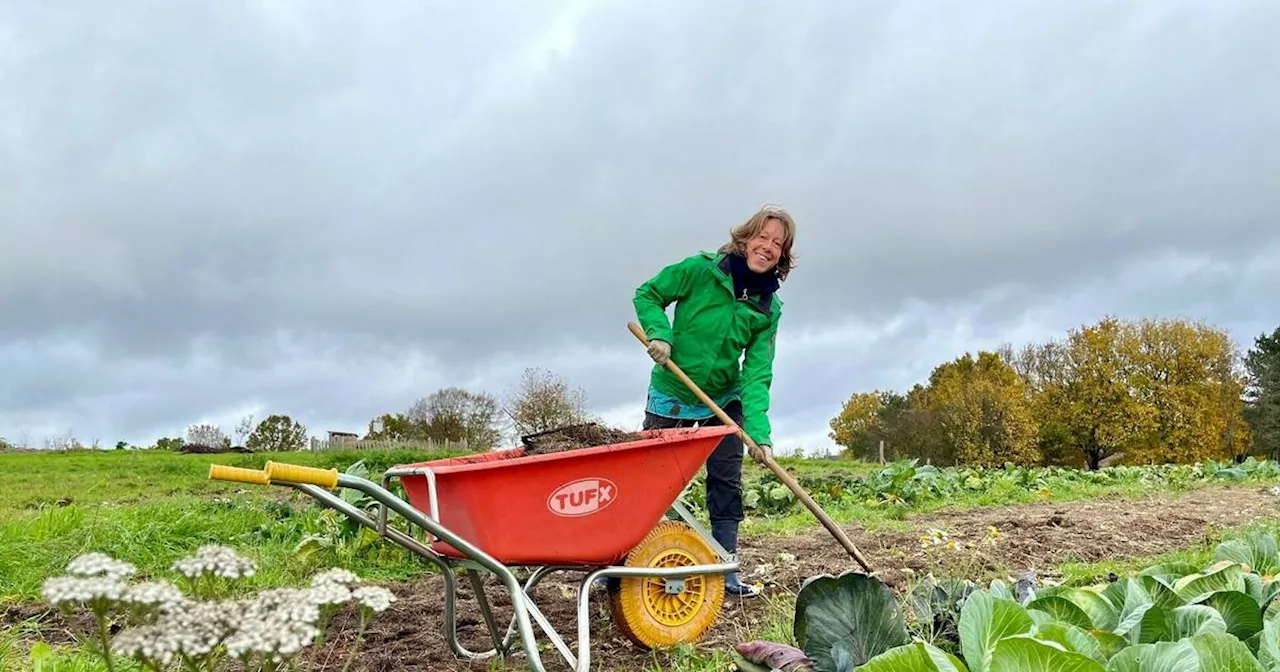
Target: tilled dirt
[
  {"x": 410, "y": 637},
  {"x": 588, "y": 435}
]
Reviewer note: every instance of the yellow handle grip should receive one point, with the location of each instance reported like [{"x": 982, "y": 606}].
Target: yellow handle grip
[
  {"x": 221, "y": 472},
  {"x": 296, "y": 473}
]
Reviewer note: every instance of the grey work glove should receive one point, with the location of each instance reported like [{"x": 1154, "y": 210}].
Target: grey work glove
[
  {"x": 765, "y": 450},
  {"x": 660, "y": 351}
]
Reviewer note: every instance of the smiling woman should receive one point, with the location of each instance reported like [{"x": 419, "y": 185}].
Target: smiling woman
[{"x": 726, "y": 306}]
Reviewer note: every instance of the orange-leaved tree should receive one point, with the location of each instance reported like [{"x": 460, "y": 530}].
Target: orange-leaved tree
[
  {"x": 1191, "y": 378},
  {"x": 982, "y": 411}
]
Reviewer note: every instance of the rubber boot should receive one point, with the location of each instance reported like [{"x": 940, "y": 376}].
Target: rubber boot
[{"x": 726, "y": 532}]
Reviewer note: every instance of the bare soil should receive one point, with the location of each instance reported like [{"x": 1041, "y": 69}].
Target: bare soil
[
  {"x": 576, "y": 437},
  {"x": 1038, "y": 537}
]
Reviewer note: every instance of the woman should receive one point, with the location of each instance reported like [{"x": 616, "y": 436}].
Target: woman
[{"x": 726, "y": 307}]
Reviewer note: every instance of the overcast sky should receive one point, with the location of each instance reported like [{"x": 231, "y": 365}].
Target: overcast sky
[{"x": 330, "y": 209}]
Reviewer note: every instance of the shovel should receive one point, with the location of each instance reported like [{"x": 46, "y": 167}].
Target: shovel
[{"x": 759, "y": 455}]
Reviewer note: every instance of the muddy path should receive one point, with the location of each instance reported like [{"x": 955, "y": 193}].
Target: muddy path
[{"x": 1032, "y": 537}]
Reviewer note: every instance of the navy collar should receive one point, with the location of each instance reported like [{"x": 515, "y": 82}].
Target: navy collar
[{"x": 757, "y": 288}]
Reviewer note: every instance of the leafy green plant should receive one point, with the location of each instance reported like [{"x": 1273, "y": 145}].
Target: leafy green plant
[
  {"x": 768, "y": 495},
  {"x": 1167, "y": 617},
  {"x": 841, "y": 622},
  {"x": 907, "y": 483}
]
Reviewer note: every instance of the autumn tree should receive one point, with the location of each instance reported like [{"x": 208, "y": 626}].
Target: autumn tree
[
  {"x": 1087, "y": 404},
  {"x": 1044, "y": 368},
  {"x": 207, "y": 434},
  {"x": 454, "y": 414},
  {"x": 1144, "y": 391},
  {"x": 904, "y": 425},
  {"x": 543, "y": 401},
  {"x": 277, "y": 433},
  {"x": 982, "y": 413},
  {"x": 858, "y": 424},
  {"x": 1190, "y": 378},
  {"x": 1262, "y": 395}
]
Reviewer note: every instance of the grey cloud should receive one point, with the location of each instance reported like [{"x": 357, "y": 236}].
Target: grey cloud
[{"x": 404, "y": 179}]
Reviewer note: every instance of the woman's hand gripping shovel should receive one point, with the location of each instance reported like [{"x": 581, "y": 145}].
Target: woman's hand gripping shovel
[{"x": 760, "y": 456}]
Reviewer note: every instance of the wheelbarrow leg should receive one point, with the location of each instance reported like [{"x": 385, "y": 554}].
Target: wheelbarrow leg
[
  {"x": 406, "y": 541},
  {"x": 520, "y": 605},
  {"x": 477, "y": 588},
  {"x": 534, "y": 579}
]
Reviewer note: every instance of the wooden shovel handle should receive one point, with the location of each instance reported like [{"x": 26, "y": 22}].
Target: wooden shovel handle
[{"x": 767, "y": 460}]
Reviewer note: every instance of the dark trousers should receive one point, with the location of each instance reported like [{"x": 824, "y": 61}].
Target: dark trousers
[{"x": 724, "y": 474}]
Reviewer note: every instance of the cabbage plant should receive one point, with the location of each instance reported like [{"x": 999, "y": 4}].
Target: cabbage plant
[{"x": 1170, "y": 617}]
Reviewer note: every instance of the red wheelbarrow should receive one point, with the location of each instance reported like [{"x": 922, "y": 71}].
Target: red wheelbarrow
[{"x": 612, "y": 511}]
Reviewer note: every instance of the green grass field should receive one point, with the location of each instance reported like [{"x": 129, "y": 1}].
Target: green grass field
[{"x": 152, "y": 507}]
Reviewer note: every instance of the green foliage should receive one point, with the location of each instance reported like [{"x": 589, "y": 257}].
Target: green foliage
[
  {"x": 1263, "y": 394},
  {"x": 908, "y": 484},
  {"x": 1224, "y": 616},
  {"x": 277, "y": 433},
  {"x": 169, "y": 443},
  {"x": 448, "y": 415},
  {"x": 843, "y": 621},
  {"x": 154, "y": 505}
]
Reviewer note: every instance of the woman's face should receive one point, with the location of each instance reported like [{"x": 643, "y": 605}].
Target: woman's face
[{"x": 764, "y": 250}]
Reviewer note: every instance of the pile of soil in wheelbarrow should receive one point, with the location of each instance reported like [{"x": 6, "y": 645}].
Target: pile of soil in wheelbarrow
[{"x": 574, "y": 437}]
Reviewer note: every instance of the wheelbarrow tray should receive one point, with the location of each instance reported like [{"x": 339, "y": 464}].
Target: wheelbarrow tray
[{"x": 588, "y": 506}]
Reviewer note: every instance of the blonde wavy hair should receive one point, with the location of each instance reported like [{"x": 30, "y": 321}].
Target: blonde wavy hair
[{"x": 749, "y": 229}]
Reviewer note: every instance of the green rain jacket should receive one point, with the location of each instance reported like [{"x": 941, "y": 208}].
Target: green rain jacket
[{"x": 712, "y": 331}]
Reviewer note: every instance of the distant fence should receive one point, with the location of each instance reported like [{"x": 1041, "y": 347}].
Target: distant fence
[{"x": 325, "y": 445}]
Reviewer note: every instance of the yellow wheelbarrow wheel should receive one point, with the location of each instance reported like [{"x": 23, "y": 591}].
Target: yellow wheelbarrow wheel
[{"x": 657, "y": 613}]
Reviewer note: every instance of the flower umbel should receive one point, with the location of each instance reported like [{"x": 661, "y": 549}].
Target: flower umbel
[
  {"x": 337, "y": 575},
  {"x": 373, "y": 597},
  {"x": 65, "y": 591},
  {"x": 216, "y": 560},
  {"x": 160, "y": 625},
  {"x": 100, "y": 564},
  {"x": 276, "y": 625}
]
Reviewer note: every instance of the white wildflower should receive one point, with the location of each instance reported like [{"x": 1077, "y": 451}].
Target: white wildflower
[
  {"x": 63, "y": 590},
  {"x": 373, "y": 597},
  {"x": 161, "y": 594},
  {"x": 152, "y": 642},
  {"x": 336, "y": 575},
  {"x": 196, "y": 628},
  {"x": 100, "y": 564},
  {"x": 217, "y": 560},
  {"x": 277, "y": 622},
  {"x": 328, "y": 592}
]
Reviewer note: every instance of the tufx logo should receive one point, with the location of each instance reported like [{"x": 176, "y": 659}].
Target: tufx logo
[{"x": 582, "y": 497}]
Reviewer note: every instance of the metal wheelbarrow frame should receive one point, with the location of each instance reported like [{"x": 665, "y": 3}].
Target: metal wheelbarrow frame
[{"x": 451, "y": 552}]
